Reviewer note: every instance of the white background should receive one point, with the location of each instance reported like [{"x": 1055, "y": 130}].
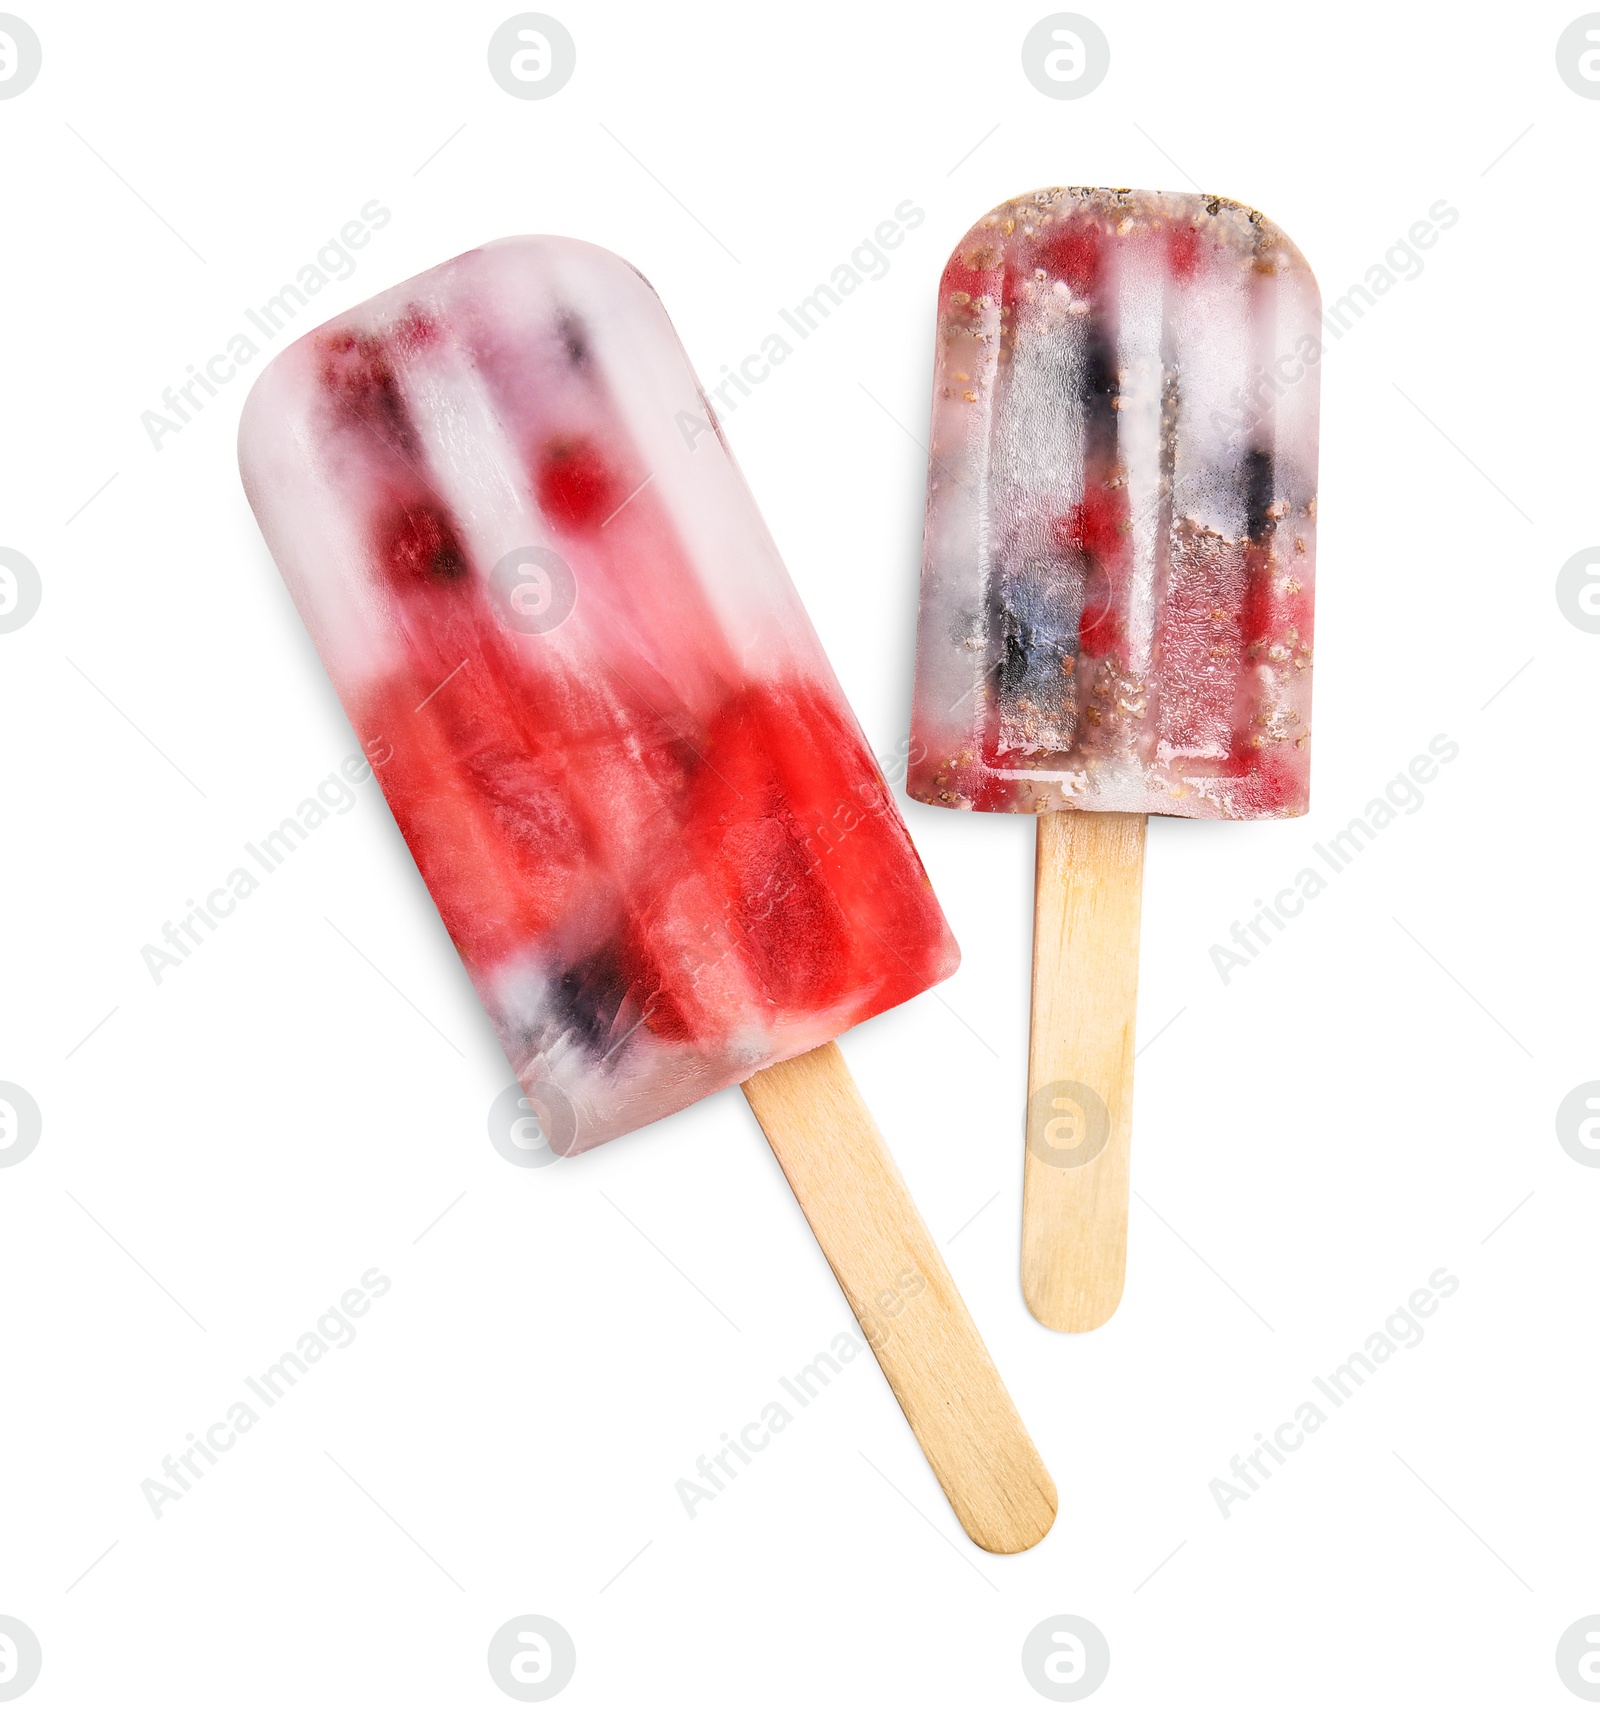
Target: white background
[{"x": 1364, "y": 1104}]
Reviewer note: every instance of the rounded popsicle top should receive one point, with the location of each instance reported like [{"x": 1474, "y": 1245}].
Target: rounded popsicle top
[
  {"x": 486, "y": 350},
  {"x": 1054, "y": 228},
  {"x": 1118, "y": 554}
]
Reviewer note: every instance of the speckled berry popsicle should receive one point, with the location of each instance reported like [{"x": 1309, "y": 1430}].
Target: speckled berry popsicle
[
  {"x": 647, "y": 817},
  {"x": 1116, "y": 613}
]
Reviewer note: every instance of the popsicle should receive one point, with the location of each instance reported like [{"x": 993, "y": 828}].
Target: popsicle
[
  {"x": 1116, "y": 615},
  {"x": 647, "y": 817}
]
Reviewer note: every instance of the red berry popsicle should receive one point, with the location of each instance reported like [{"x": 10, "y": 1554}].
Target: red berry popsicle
[
  {"x": 626, "y": 772},
  {"x": 1116, "y": 614}
]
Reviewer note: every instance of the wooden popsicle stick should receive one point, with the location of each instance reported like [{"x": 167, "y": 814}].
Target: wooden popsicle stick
[
  {"x": 1090, "y": 869},
  {"x": 914, "y": 1319}
]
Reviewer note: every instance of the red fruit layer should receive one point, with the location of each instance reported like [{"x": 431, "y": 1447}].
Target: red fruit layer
[{"x": 684, "y": 854}]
